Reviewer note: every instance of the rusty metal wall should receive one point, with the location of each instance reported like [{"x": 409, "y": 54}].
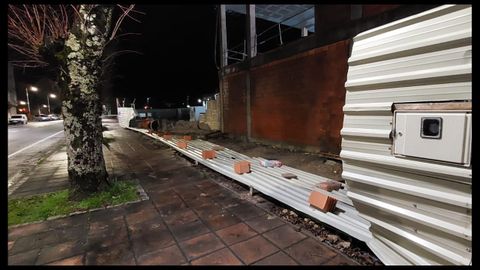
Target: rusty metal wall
[
  {"x": 234, "y": 103},
  {"x": 299, "y": 100}
]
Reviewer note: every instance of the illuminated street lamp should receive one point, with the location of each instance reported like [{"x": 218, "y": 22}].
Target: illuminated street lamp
[
  {"x": 23, "y": 103},
  {"x": 48, "y": 101},
  {"x": 34, "y": 89},
  {"x": 45, "y": 106},
  {"x": 199, "y": 101}
]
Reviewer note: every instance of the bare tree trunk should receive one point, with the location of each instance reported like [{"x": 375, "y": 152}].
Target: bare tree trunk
[{"x": 81, "y": 105}]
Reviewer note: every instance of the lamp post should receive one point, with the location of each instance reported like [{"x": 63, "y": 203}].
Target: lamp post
[
  {"x": 34, "y": 89},
  {"x": 48, "y": 101}
]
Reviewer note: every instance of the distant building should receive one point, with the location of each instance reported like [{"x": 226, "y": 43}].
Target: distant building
[{"x": 12, "y": 94}]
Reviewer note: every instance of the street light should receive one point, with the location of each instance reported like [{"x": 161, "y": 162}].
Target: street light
[
  {"x": 22, "y": 103},
  {"x": 45, "y": 106},
  {"x": 48, "y": 101},
  {"x": 199, "y": 101},
  {"x": 34, "y": 89}
]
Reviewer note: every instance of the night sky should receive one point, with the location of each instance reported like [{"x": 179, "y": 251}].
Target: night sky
[
  {"x": 177, "y": 56},
  {"x": 177, "y": 45}
]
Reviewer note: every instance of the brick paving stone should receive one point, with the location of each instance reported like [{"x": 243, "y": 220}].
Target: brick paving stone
[
  {"x": 201, "y": 245},
  {"x": 117, "y": 221},
  {"x": 199, "y": 202},
  {"x": 236, "y": 233},
  {"x": 182, "y": 216},
  {"x": 150, "y": 226},
  {"x": 264, "y": 223},
  {"x": 284, "y": 236},
  {"x": 166, "y": 256},
  {"x": 115, "y": 255},
  {"x": 253, "y": 249},
  {"x": 189, "y": 230},
  {"x": 35, "y": 241},
  {"x": 75, "y": 260},
  {"x": 60, "y": 251},
  {"x": 71, "y": 221},
  {"x": 24, "y": 258},
  {"x": 73, "y": 233},
  {"x": 279, "y": 258},
  {"x": 310, "y": 252},
  {"x": 221, "y": 257},
  {"x": 142, "y": 215},
  {"x": 97, "y": 239},
  {"x": 340, "y": 260},
  {"x": 168, "y": 209},
  {"x": 221, "y": 221},
  {"x": 25, "y": 230},
  {"x": 152, "y": 241},
  {"x": 209, "y": 210},
  {"x": 138, "y": 206},
  {"x": 229, "y": 202},
  {"x": 246, "y": 211}
]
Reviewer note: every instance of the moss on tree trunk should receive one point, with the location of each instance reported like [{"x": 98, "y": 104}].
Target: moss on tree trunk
[{"x": 81, "y": 106}]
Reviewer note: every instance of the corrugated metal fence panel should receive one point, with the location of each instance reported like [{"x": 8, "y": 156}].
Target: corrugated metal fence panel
[
  {"x": 125, "y": 114},
  {"x": 420, "y": 211}
]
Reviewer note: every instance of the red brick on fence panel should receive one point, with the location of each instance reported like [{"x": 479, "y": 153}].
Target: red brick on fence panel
[
  {"x": 182, "y": 144},
  {"x": 208, "y": 154},
  {"x": 321, "y": 201},
  {"x": 167, "y": 137},
  {"x": 242, "y": 167},
  {"x": 330, "y": 185},
  {"x": 187, "y": 138}
]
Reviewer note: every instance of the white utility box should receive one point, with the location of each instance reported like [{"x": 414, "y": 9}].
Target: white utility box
[{"x": 443, "y": 136}]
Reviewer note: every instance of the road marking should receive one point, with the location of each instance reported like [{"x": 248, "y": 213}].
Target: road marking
[{"x": 33, "y": 144}]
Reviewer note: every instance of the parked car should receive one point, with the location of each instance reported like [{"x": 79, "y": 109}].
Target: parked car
[
  {"x": 54, "y": 117},
  {"x": 41, "y": 117},
  {"x": 18, "y": 119}
]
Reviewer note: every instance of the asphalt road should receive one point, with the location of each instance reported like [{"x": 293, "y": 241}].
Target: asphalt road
[
  {"x": 28, "y": 144},
  {"x": 22, "y": 136}
]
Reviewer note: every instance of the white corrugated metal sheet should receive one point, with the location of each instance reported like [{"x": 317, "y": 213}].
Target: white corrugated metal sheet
[
  {"x": 419, "y": 210},
  {"x": 269, "y": 181}
]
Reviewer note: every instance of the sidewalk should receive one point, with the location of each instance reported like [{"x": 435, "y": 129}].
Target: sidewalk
[{"x": 188, "y": 220}]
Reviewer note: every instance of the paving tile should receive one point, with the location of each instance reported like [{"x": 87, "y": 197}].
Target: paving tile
[
  {"x": 236, "y": 233},
  {"x": 279, "y": 258},
  {"x": 221, "y": 257},
  {"x": 284, "y": 236},
  {"x": 68, "y": 233},
  {"x": 71, "y": 221},
  {"x": 150, "y": 226},
  {"x": 152, "y": 241},
  {"x": 60, "y": 251},
  {"x": 167, "y": 256},
  {"x": 182, "y": 216},
  {"x": 264, "y": 223},
  {"x": 221, "y": 221},
  {"x": 25, "y": 230},
  {"x": 24, "y": 258},
  {"x": 209, "y": 210},
  {"x": 341, "y": 260},
  {"x": 116, "y": 221},
  {"x": 168, "y": 209},
  {"x": 107, "y": 216},
  {"x": 199, "y": 202},
  {"x": 35, "y": 241},
  {"x": 142, "y": 215},
  {"x": 253, "y": 249},
  {"x": 229, "y": 202},
  {"x": 75, "y": 260},
  {"x": 189, "y": 230},
  {"x": 116, "y": 255},
  {"x": 138, "y": 206},
  {"x": 107, "y": 237},
  {"x": 246, "y": 211},
  {"x": 201, "y": 245},
  {"x": 310, "y": 252}
]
